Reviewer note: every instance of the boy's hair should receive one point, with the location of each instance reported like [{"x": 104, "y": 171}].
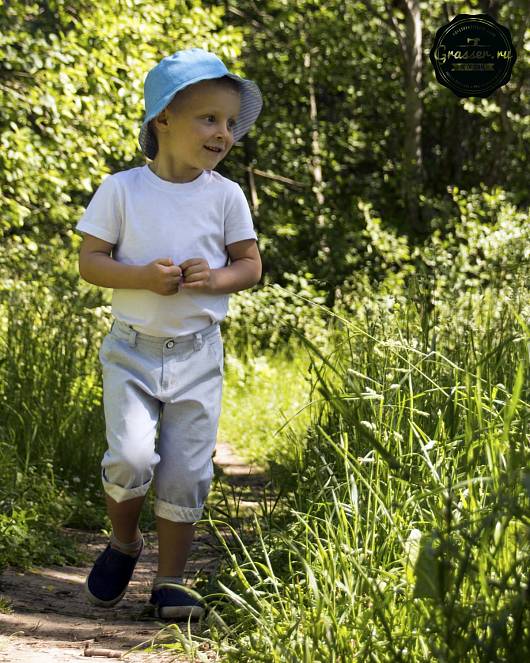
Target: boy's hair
[{"x": 224, "y": 80}]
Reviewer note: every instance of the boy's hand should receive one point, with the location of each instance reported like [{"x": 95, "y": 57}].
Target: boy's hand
[
  {"x": 197, "y": 274},
  {"x": 162, "y": 276}
]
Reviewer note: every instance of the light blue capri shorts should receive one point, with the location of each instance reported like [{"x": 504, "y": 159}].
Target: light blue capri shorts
[{"x": 173, "y": 385}]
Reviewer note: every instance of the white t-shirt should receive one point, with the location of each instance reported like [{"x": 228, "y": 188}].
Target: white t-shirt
[{"x": 146, "y": 218}]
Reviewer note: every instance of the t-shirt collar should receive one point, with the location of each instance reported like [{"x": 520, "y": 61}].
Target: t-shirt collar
[{"x": 181, "y": 187}]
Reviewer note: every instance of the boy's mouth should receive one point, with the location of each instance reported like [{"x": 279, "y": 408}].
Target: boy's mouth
[{"x": 218, "y": 150}]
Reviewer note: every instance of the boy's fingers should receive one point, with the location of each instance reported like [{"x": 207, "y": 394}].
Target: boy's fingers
[{"x": 191, "y": 261}]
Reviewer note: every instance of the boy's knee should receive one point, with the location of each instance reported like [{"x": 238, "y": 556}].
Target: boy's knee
[
  {"x": 122, "y": 493},
  {"x": 186, "y": 493},
  {"x": 132, "y": 468}
]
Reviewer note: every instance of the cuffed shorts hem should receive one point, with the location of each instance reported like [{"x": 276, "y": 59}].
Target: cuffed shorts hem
[
  {"x": 178, "y": 514},
  {"x": 120, "y": 494}
]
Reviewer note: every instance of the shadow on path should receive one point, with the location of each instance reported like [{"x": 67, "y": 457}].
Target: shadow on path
[{"x": 52, "y": 621}]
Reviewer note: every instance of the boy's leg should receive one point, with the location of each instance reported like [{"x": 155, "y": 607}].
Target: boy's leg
[
  {"x": 188, "y": 429},
  {"x": 131, "y": 416},
  {"x": 108, "y": 580},
  {"x": 124, "y": 517},
  {"x": 174, "y": 545}
]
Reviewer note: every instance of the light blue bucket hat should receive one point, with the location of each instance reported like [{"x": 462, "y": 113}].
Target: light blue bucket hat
[{"x": 175, "y": 72}]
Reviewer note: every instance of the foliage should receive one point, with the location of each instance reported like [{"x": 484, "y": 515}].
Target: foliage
[
  {"x": 405, "y": 532},
  {"x": 48, "y": 349},
  {"x": 481, "y": 239},
  {"x": 71, "y": 91},
  {"x": 273, "y": 387},
  {"x": 33, "y": 504},
  {"x": 359, "y": 128},
  {"x": 72, "y": 96},
  {"x": 266, "y": 318},
  {"x": 487, "y": 242}
]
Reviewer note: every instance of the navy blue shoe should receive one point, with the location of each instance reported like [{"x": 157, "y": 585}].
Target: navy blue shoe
[
  {"x": 171, "y": 602},
  {"x": 108, "y": 581}
]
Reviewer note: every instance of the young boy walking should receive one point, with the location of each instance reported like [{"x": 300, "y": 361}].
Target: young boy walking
[{"x": 171, "y": 226}]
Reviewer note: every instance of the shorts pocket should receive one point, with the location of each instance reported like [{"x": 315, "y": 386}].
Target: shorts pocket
[
  {"x": 215, "y": 346},
  {"x": 109, "y": 347},
  {"x": 103, "y": 348}
]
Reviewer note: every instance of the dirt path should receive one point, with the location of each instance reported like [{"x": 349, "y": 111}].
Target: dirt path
[{"x": 52, "y": 621}]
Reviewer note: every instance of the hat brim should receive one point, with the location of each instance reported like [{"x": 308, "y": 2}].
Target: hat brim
[{"x": 251, "y": 106}]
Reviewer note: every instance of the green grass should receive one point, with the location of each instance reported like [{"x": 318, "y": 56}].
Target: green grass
[
  {"x": 406, "y": 536},
  {"x": 402, "y": 531},
  {"x": 262, "y": 398}
]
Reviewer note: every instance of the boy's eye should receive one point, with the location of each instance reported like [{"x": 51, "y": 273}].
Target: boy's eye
[{"x": 231, "y": 123}]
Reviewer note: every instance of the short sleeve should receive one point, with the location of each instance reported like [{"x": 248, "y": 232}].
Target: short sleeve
[
  {"x": 238, "y": 219},
  {"x": 102, "y": 217}
]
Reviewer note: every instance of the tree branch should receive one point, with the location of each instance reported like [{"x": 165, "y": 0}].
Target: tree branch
[
  {"x": 390, "y": 22},
  {"x": 250, "y": 19},
  {"x": 279, "y": 178}
]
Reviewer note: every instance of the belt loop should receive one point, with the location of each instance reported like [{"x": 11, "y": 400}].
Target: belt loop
[
  {"x": 132, "y": 337},
  {"x": 197, "y": 341}
]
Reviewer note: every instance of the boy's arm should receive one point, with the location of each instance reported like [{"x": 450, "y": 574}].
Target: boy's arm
[
  {"x": 244, "y": 270},
  {"x": 97, "y": 267}
]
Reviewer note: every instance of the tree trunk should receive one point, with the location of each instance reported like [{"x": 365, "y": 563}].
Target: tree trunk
[
  {"x": 412, "y": 182},
  {"x": 315, "y": 167}
]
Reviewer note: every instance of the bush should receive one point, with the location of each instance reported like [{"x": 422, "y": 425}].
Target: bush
[
  {"x": 264, "y": 319},
  {"x": 33, "y": 505}
]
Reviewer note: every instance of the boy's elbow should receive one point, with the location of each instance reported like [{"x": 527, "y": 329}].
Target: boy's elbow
[
  {"x": 81, "y": 268},
  {"x": 258, "y": 271},
  {"x": 84, "y": 269}
]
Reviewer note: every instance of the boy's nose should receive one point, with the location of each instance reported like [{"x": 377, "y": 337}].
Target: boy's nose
[{"x": 224, "y": 133}]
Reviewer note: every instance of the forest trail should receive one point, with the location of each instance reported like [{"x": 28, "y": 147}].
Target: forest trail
[{"x": 52, "y": 621}]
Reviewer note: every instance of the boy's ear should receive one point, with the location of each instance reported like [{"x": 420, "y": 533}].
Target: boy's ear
[{"x": 161, "y": 118}]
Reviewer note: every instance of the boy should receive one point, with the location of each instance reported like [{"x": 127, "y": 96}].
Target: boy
[{"x": 171, "y": 225}]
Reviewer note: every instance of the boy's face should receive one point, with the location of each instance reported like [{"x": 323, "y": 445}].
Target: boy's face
[{"x": 200, "y": 117}]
